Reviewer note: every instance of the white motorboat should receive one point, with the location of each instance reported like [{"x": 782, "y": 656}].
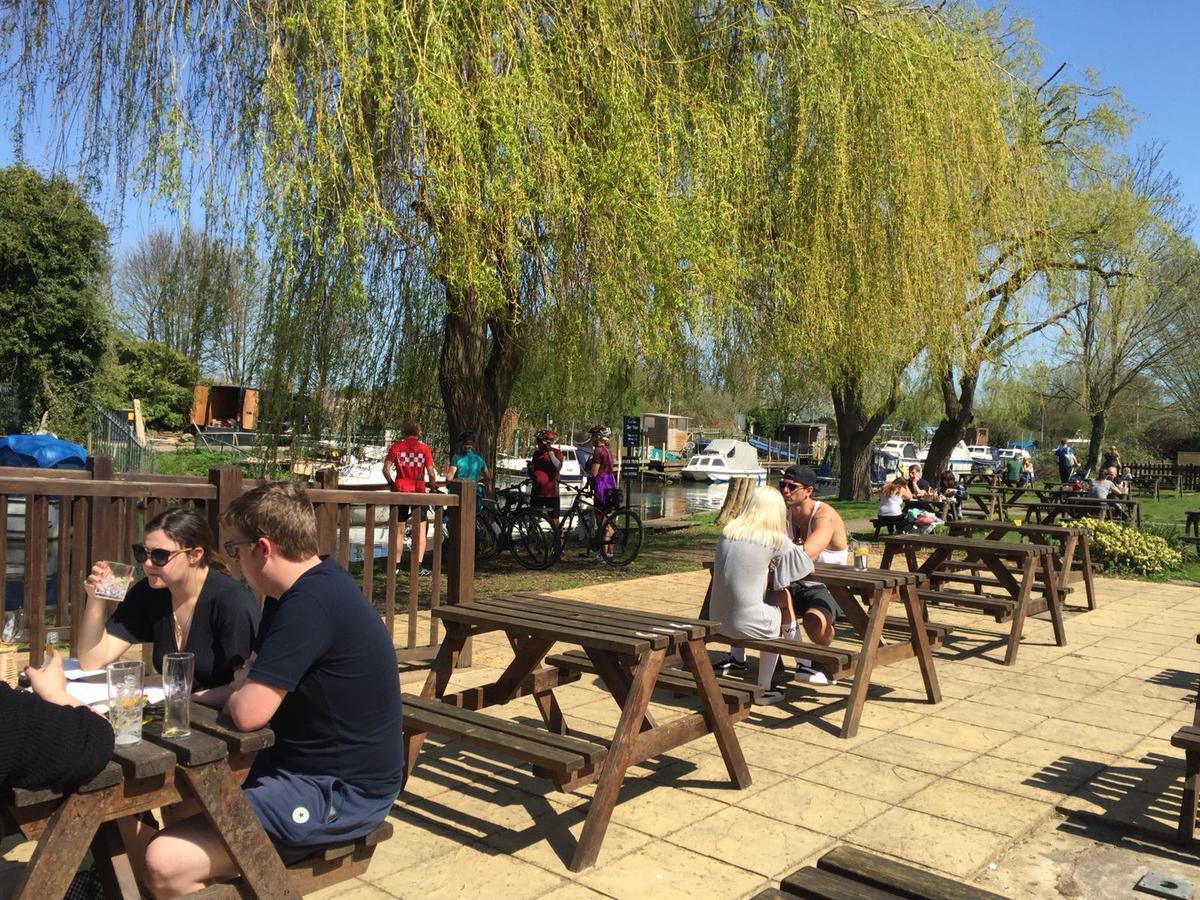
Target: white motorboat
[
  {"x": 982, "y": 455},
  {"x": 722, "y": 460},
  {"x": 960, "y": 461}
]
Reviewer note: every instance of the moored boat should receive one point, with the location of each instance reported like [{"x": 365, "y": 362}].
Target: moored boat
[{"x": 722, "y": 460}]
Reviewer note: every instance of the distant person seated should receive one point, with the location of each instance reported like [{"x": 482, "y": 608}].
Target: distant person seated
[
  {"x": 891, "y": 503},
  {"x": 1012, "y": 470},
  {"x": 754, "y": 563},
  {"x": 914, "y": 483},
  {"x": 1026, "y": 476},
  {"x": 952, "y": 491},
  {"x": 922, "y": 497},
  {"x": 1106, "y": 487}
]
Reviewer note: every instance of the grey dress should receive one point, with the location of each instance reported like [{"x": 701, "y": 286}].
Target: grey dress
[{"x": 739, "y": 583}]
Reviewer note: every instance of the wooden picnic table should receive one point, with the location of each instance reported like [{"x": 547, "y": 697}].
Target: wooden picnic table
[
  {"x": 626, "y": 648},
  {"x": 1065, "y": 542},
  {"x": 207, "y": 766},
  {"x": 863, "y": 595},
  {"x": 989, "y": 503},
  {"x": 998, "y": 558}
]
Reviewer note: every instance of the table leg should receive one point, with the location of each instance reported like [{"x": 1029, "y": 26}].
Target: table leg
[
  {"x": 920, "y": 642},
  {"x": 226, "y": 808},
  {"x": 618, "y": 759},
  {"x": 866, "y": 664},
  {"x": 1054, "y": 599},
  {"x": 1018, "y": 622},
  {"x": 716, "y": 712},
  {"x": 113, "y": 863},
  {"x": 617, "y": 680},
  {"x": 444, "y": 662},
  {"x": 1085, "y": 556},
  {"x": 50, "y": 870}
]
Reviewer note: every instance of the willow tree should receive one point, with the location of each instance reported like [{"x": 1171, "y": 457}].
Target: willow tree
[
  {"x": 887, "y": 157},
  {"x": 559, "y": 173}
]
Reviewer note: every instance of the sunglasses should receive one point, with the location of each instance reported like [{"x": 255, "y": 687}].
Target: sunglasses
[
  {"x": 231, "y": 547},
  {"x": 158, "y": 556},
  {"x": 788, "y": 486}
]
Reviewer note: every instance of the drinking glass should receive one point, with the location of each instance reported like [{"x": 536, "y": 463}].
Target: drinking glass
[
  {"x": 114, "y": 585},
  {"x": 177, "y": 685},
  {"x": 125, "y": 679}
]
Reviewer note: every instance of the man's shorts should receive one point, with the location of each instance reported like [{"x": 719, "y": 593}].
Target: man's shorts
[
  {"x": 808, "y": 595},
  {"x": 403, "y": 512},
  {"x": 302, "y": 813},
  {"x": 549, "y": 504}
]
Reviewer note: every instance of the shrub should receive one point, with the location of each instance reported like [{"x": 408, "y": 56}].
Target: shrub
[{"x": 1126, "y": 550}]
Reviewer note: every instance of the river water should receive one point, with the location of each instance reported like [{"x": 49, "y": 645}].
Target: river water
[{"x": 656, "y": 499}]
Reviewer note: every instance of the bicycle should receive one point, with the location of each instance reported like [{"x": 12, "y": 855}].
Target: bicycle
[
  {"x": 616, "y": 542},
  {"x": 526, "y": 533}
]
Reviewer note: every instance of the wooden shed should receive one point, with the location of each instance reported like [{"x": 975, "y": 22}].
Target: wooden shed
[{"x": 225, "y": 406}]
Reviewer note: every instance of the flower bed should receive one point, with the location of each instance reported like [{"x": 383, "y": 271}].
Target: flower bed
[{"x": 1125, "y": 550}]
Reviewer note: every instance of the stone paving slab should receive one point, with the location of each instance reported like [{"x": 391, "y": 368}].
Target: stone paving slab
[{"x": 1080, "y": 731}]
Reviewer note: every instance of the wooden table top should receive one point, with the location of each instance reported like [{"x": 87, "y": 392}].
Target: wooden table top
[
  {"x": 954, "y": 542},
  {"x": 587, "y": 624}
]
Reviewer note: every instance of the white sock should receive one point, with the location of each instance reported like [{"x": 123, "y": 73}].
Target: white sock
[
  {"x": 766, "y": 668},
  {"x": 738, "y": 653},
  {"x": 790, "y": 630}
]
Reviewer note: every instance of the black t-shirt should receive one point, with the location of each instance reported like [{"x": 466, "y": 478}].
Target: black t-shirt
[
  {"x": 221, "y": 634},
  {"x": 325, "y": 645}
]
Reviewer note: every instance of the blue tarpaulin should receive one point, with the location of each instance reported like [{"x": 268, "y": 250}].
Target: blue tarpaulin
[{"x": 41, "y": 451}]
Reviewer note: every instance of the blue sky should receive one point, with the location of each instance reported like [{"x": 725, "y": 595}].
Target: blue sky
[{"x": 1150, "y": 51}]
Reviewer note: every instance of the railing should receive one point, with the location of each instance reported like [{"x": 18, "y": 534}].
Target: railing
[
  {"x": 57, "y": 523},
  {"x": 1188, "y": 475},
  {"x": 111, "y": 436}
]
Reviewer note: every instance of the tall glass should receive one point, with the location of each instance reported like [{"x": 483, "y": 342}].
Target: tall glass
[
  {"x": 177, "y": 685},
  {"x": 125, "y": 680}
]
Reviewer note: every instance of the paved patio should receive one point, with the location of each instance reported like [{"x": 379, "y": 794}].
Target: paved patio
[{"x": 1083, "y": 730}]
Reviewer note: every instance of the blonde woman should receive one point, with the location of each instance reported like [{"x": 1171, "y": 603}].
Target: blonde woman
[{"x": 753, "y": 566}]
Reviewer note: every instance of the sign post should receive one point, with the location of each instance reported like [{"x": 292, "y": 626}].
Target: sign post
[{"x": 631, "y": 434}]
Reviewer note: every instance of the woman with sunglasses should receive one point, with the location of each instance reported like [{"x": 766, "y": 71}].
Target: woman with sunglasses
[{"x": 187, "y": 602}]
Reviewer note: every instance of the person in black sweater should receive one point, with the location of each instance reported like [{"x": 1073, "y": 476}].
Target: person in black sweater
[{"x": 49, "y": 738}]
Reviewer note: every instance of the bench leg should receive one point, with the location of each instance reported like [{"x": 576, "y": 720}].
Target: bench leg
[
  {"x": 50, "y": 870},
  {"x": 716, "y": 712},
  {"x": 617, "y": 681},
  {"x": 1018, "y": 621},
  {"x": 620, "y": 754},
  {"x": 1054, "y": 600},
  {"x": 862, "y": 671},
  {"x": 914, "y": 609},
  {"x": 1187, "y": 807}
]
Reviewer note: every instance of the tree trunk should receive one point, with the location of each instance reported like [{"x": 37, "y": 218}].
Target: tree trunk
[
  {"x": 1099, "y": 424},
  {"x": 479, "y": 362},
  {"x": 959, "y": 412},
  {"x": 856, "y": 432},
  {"x": 736, "y": 499}
]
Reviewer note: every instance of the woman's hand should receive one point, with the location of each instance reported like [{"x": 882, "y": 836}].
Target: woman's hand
[
  {"x": 99, "y": 572},
  {"x": 50, "y": 682}
]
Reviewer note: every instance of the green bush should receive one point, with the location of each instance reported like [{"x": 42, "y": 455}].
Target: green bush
[{"x": 1129, "y": 551}]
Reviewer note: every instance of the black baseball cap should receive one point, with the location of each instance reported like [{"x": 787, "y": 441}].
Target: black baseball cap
[{"x": 801, "y": 475}]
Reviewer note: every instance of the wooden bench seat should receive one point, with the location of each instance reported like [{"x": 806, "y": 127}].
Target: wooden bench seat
[
  {"x": 558, "y": 756},
  {"x": 738, "y": 695},
  {"x": 845, "y": 873},
  {"x": 1187, "y": 739},
  {"x": 893, "y": 524},
  {"x": 990, "y": 581},
  {"x": 1000, "y": 608}
]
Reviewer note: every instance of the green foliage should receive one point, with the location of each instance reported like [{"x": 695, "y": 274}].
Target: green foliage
[
  {"x": 53, "y": 254},
  {"x": 152, "y": 372},
  {"x": 1125, "y": 550}
]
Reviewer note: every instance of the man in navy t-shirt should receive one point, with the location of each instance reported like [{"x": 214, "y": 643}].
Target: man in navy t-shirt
[{"x": 323, "y": 676}]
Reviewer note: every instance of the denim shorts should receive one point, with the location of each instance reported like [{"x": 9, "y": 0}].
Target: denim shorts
[{"x": 302, "y": 813}]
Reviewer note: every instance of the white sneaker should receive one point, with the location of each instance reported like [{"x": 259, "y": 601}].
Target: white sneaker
[{"x": 811, "y": 675}]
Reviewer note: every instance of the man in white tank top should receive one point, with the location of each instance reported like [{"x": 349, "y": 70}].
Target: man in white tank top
[{"x": 820, "y": 530}]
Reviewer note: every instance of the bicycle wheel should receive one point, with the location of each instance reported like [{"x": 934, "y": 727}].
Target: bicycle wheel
[
  {"x": 531, "y": 539},
  {"x": 487, "y": 532},
  {"x": 620, "y": 537}
]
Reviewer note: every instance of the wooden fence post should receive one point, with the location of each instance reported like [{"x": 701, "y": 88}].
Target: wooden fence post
[
  {"x": 228, "y": 482},
  {"x": 37, "y": 534},
  {"x": 460, "y": 555},
  {"x": 102, "y": 529},
  {"x": 327, "y": 479}
]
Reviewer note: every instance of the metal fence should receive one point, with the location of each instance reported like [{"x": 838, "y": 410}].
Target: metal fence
[{"x": 112, "y": 435}]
